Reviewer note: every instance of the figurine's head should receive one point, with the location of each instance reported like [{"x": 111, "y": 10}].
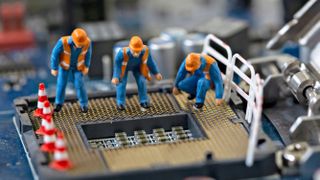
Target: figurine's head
[
  {"x": 80, "y": 38},
  {"x": 193, "y": 62},
  {"x": 136, "y": 46}
]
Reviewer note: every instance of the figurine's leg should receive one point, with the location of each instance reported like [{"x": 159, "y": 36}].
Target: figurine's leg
[
  {"x": 142, "y": 87},
  {"x": 189, "y": 85},
  {"x": 121, "y": 90},
  {"x": 61, "y": 85},
  {"x": 202, "y": 88},
  {"x": 80, "y": 88}
]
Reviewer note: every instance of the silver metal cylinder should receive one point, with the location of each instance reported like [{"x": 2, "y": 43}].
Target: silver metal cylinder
[
  {"x": 310, "y": 93},
  {"x": 289, "y": 67},
  {"x": 177, "y": 35},
  {"x": 302, "y": 85},
  {"x": 299, "y": 83},
  {"x": 193, "y": 43},
  {"x": 314, "y": 101},
  {"x": 107, "y": 68},
  {"x": 164, "y": 54}
]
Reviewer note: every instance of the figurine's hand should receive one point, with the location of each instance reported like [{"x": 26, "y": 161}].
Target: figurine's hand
[
  {"x": 176, "y": 91},
  {"x": 85, "y": 71},
  {"x": 218, "y": 102},
  {"x": 54, "y": 72},
  {"x": 158, "y": 76},
  {"x": 115, "y": 81}
]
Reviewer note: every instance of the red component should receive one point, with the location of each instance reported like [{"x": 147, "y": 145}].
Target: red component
[
  {"x": 14, "y": 35},
  {"x": 12, "y": 15}
]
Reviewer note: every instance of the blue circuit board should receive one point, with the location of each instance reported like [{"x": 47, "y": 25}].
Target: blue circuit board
[
  {"x": 17, "y": 81},
  {"x": 13, "y": 160}
]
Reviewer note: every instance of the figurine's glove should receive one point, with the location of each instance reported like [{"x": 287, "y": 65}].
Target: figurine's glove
[
  {"x": 158, "y": 77},
  {"x": 218, "y": 102},
  {"x": 115, "y": 81},
  {"x": 176, "y": 91},
  {"x": 85, "y": 71},
  {"x": 54, "y": 72}
]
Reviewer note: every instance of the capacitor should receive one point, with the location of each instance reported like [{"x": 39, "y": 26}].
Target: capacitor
[
  {"x": 164, "y": 54},
  {"x": 107, "y": 68},
  {"x": 193, "y": 43},
  {"x": 177, "y": 35},
  {"x": 174, "y": 33}
]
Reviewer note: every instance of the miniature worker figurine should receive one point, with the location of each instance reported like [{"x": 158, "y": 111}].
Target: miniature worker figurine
[
  {"x": 203, "y": 71},
  {"x": 137, "y": 59},
  {"x": 71, "y": 55}
]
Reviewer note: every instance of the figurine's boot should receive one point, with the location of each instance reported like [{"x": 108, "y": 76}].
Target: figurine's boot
[
  {"x": 57, "y": 107},
  {"x": 81, "y": 91},
  {"x": 145, "y": 105},
  {"x": 84, "y": 109},
  {"x": 120, "y": 107},
  {"x": 202, "y": 87},
  {"x": 198, "y": 106},
  {"x": 191, "y": 96},
  {"x": 142, "y": 90}
]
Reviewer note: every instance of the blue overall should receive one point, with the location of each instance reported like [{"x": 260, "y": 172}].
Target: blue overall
[
  {"x": 196, "y": 84},
  {"x": 63, "y": 75},
  {"x": 133, "y": 65}
]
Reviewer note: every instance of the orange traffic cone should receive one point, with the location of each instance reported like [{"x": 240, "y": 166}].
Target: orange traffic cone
[
  {"x": 61, "y": 160},
  {"x": 42, "y": 97},
  {"x": 49, "y": 137},
  {"x": 46, "y": 114}
]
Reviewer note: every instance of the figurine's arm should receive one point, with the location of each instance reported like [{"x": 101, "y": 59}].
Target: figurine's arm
[
  {"x": 117, "y": 64},
  {"x": 152, "y": 65},
  {"x": 215, "y": 76},
  {"x": 182, "y": 72},
  {"x": 55, "y": 55},
  {"x": 87, "y": 60}
]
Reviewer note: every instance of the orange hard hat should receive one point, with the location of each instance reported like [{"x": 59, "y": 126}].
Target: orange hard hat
[
  {"x": 193, "y": 62},
  {"x": 136, "y": 44},
  {"x": 79, "y": 37}
]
